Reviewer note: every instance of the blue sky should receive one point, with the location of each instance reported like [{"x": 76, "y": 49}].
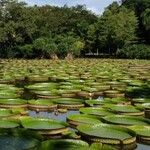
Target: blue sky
[{"x": 96, "y": 6}]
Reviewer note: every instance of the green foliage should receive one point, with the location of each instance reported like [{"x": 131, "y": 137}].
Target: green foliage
[
  {"x": 25, "y": 51},
  {"x": 46, "y": 31},
  {"x": 139, "y": 7},
  {"x": 116, "y": 27},
  {"x": 69, "y": 44},
  {"x": 146, "y": 19},
  {"x": 77, "y": 47},
  {"x": 45, "y": 46},
  {"x": 139, "y": 51},
  {"x": 146, "y": 23}
]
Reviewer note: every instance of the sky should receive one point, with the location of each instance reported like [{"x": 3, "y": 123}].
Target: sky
[{"x": 97, "y": 6}]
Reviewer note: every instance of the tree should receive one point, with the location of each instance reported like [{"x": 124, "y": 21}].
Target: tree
[
  {"x": 17, "y": 25},
  {"x": 69, "y": 45},
  {"x": 146, "y": 19},
  {"x": 139, "y": 7},
  {"x": 146, "y": 23},
  {"x": 93, "y": 43},
  {"x": 45, "y": 47},
  {"x": 116, "y": 27},
  {"x": 24, "y": 51}
]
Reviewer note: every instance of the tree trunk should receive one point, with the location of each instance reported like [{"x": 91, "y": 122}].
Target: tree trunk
[
  {"x": 69, "y": 56},
  {"x": 54, "y": 57}
]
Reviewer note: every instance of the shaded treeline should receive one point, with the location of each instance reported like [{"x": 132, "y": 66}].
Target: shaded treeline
[{"x": 51, "y": 32}]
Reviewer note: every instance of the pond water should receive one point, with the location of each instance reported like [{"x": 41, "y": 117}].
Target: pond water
[
  {"x": 52, "y": 115},
  {"x": 142, "y": 147}
]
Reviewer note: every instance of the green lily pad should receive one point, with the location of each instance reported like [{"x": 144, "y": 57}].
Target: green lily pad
[
  {"x": 68, "y": 101},
  {"x": 41, "y": 102},
  {"x": 64, "y": 144},
  {"x": 5, "y": 113},
  {"x": 46, "y": 92},
  {"x": 122, "y": 108},
  {"x": 100, "y": 146},
  {"x": 8, "y": 94},
  {"x": 83, "y": 119},
  {"x": 104, "y": 131},
  {"x": 95, "y": 111},
  {"x": 41, "y": 124},
  {"x": 141, "y": 130},
  {"x": 7, "y": 124},
  {"x": 42, "y": 86},
  {"x": 12, "y": 102},
  {"x": 140, "y": 100},
  {"x": 126, "y": 120}
]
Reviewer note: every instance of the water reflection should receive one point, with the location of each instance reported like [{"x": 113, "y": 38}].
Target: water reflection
[
  {"x": 142, "y": 147},
  {"x": 52, "y": 115}
]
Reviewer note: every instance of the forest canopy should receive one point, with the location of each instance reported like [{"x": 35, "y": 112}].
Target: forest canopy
[{"x": 123, "y": 30}]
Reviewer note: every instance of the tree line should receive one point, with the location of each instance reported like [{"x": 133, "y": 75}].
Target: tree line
[{"x": 122, "y": 31}]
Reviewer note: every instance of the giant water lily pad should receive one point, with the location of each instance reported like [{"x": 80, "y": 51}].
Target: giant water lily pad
[
  {"x": 140, "y": 100},
  {"x": 8, "y": 94},
  {"x": 42, "y": 86},
  {"x": 41, "y": 102},
  {"x": 69, "y": 103},
  {"x": 95, "y": 111},
  {"x": 5, "y": 113},
  {"x": 143, "y": 133},
  {"x": 126, "y": 120},
  {"x": 41, "y": 124},
  {"x": 46, "y": 92},
  {"x": 143, "y": 106},
  {"x": 44, "y": 126},
  {"x": 8, "y": 87},
  {"x": 141, "y": 130},
  {"x": 13, "y": 103},
  {"x": 97, "y": 102},
  {"x": 109, "y": 134},
  {"x": 64, "y": 144},
  {"x": 124, "y": 109},
  {"x": 7, "y": 124},
  {"x": 100, "y": 146},
  {"x": 77, "y": 119}
]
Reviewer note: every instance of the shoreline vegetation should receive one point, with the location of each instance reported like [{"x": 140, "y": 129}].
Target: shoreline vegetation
[{"x": 122, "y": 31}]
